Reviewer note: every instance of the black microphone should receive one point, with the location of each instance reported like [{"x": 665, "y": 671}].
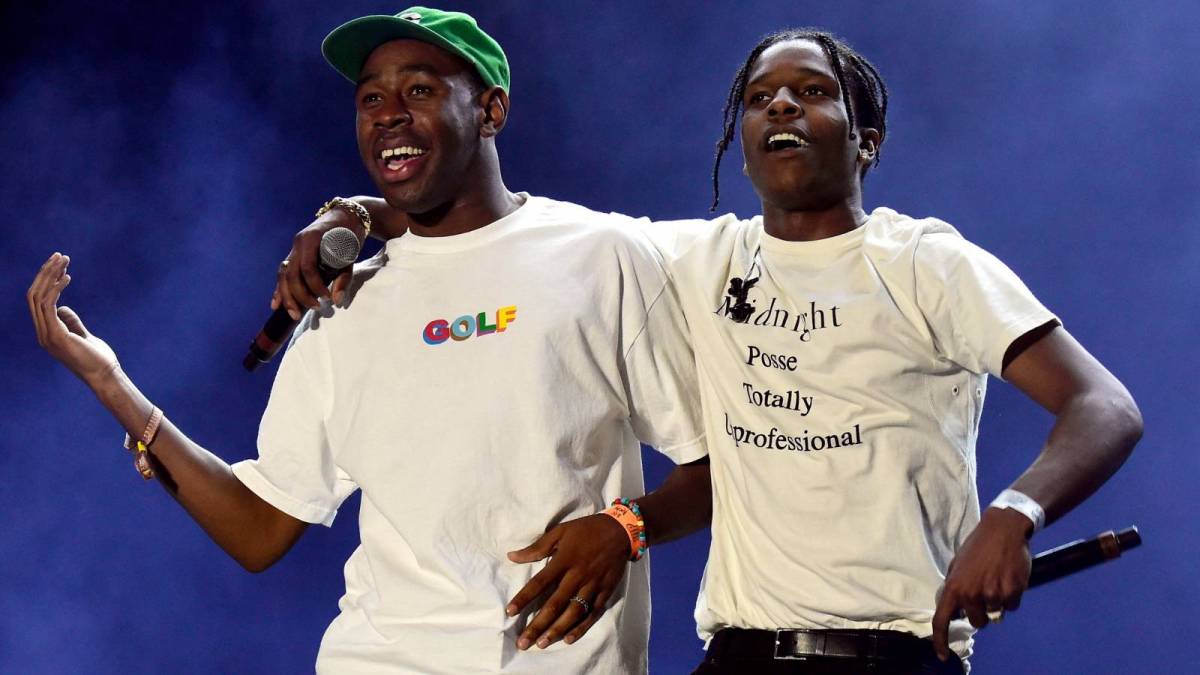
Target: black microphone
[
  {"x": 339, "y": 248},
  {"x": 1081, "y": 554}
]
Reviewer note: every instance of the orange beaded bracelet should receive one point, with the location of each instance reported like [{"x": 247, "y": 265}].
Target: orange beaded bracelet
[{"x": 629, "y": 515}]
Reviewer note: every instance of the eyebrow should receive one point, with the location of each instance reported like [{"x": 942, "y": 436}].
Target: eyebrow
[
  {"x": 410, "y": 68},
  {"x": 803, "y": 70}
]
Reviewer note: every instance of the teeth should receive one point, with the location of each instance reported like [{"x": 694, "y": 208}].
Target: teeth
[
  {"x": 787, "y": 137},
  {"x": 406, "y": 150}
]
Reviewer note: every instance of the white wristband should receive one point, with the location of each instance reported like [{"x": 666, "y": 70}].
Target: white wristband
[{"x": 1023, "y": 504}]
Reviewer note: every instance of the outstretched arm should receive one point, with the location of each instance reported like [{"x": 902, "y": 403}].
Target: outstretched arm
[
  {"x": 249, "y": 529},
  {"x": 1096, "y": 427},
  {"x": 588, "y": 555}
]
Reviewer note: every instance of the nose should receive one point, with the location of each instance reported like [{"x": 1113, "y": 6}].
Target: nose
[
  {"x": 784, "y": 105},
  {"x": 392, "y": 113}
]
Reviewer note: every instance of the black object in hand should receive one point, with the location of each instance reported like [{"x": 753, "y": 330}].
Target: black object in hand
[
  {"x": 339, "y": 248},
  {"x": 1081, "y": 554}
]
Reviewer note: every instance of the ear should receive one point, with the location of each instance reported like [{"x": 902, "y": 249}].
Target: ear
[
  {"x": 494, "y": 103},
  {"x": 868, "y": 146}
]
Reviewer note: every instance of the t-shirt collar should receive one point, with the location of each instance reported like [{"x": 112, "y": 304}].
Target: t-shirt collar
[{"x": 411, "y": 241}]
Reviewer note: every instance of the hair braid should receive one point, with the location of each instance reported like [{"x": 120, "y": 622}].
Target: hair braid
[{"x": 733, "y": 105}]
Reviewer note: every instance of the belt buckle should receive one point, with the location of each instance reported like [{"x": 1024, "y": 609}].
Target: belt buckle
[{"x": 791, "y": 655}]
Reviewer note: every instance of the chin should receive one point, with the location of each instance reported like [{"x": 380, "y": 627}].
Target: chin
[
  {"x": 403, "y": 196},
  {"x": 410, "y": 199}
]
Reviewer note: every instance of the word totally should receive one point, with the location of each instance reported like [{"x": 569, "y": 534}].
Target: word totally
[
  {"x": 439, "y": 330},
  {"x": 791, "y": 399}
]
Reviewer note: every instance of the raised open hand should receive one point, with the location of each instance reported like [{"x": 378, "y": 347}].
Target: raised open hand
[{"x": 60, "y": 330}]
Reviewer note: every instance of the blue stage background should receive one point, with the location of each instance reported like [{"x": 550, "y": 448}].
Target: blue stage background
[{"x": 173, "y": 148}]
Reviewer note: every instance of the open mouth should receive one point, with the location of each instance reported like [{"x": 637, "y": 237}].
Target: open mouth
[
  {"x": 401, "y": 162},
  {"x": 783, "y": 141}
]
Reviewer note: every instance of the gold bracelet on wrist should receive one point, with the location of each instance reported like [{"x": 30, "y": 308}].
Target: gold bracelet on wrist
[{"x": 349, "y": 206}]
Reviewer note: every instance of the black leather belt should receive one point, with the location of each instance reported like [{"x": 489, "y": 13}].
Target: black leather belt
[{"x": 881, "y": 645}]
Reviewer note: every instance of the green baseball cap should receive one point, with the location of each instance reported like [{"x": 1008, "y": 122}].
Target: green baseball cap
[{"x": 349, "y": 45}]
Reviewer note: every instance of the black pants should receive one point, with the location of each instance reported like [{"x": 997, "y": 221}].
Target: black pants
[{"x": 733, "y": 663}]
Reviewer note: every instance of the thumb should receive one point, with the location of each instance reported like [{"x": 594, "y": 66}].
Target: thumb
[
  {"x": 72, "y": 321},
  {"x": 538, "y": 550},
  {"x": 338, "y": 288}
]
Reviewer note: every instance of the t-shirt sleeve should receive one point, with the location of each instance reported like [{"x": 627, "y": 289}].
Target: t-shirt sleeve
[
  {"x": 974, "y": 304},
  {"x": 660, "y": 380},
  {"x": 295, "y": 470},
  {"x": 671, "y": 238}
]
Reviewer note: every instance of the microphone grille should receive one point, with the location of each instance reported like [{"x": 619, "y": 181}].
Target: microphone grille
[{"x": 339, "y": 248}]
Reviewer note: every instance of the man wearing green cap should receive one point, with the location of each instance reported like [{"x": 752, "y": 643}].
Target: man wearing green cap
[{"x": 482, "y": 379}]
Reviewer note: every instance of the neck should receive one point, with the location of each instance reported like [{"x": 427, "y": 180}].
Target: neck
[
  {"x": 813, "y": 224},
  {"x": 483, "y": 200}
]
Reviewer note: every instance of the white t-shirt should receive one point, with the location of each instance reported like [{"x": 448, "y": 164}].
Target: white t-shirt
[
  {"x": 479, "y": 389},
  {"x": 842, "y": 417}
]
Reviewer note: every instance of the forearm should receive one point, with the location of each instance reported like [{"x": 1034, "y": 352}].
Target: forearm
[
  {"x": 247, "y": 528},
  {"x": 1093, "y": 434},
  {"x": 681, "y": 505}
]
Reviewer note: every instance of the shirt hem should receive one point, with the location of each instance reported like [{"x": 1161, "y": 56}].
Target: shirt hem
[{"x": 253, "y": 479}]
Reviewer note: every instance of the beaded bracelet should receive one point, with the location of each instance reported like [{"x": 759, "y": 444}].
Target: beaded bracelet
[
  {"x": 629, "y": 515},
  {"x": 141, "y": 460}
]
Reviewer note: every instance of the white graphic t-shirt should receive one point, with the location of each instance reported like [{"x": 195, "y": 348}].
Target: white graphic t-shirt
[
  {"x": 478, "y": 389},
  {"x": 842, "y": 414}
]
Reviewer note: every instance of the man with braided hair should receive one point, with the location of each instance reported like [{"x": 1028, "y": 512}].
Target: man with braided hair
[{"x": 842, "y": 362}]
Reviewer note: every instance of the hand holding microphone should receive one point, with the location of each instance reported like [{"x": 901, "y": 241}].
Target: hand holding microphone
[
  {"x": 339, "y": 249},
  {"x": 993, "y": 568}
]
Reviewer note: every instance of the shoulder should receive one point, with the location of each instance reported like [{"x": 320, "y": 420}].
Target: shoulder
[
  {"x": 676, "y": 238},
  {"x": 670, "y": 238},
  {"x": 925, "y": 243},
  {"x": 890, "y": 228},
  {"x": 579, "y": 222}
]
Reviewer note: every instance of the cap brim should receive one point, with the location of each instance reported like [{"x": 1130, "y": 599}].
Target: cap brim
[{"x": 349, "y": 45}]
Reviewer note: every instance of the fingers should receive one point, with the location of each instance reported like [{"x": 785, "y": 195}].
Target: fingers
[
  {"x": 72, "y": 321},
  {"x": 534, "y": 588},
  {"x": 946, "y": 608},
  {"x": 572, "y": 612},
  {"x": 44, "y": 293},
  {"x": 539, "y": 549},
  {"x": 312, "y": 278},
  {"x": 302, "y": 280},
  {"x": 1012, "y": 604},
  {"x": 283, "y": 288},
  {"x": 598, "y": 606},
  {"x": 555, "y": 606},
  {"x": 31, "y": 298},
  {"x": 340, "y": 283},
  {"x": 975, "y": 610}
]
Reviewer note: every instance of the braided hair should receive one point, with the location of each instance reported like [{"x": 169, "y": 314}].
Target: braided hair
[{"x": 866, "y": 92}]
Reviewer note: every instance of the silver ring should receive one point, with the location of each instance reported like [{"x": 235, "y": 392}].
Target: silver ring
[
  {"x": 587, "y": 606},
  {"x": 283, "y": 266},
  {"x": 995, "y": 615}
]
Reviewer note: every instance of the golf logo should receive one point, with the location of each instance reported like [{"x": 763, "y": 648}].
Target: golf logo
[{"x": 439, "y": 330}]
